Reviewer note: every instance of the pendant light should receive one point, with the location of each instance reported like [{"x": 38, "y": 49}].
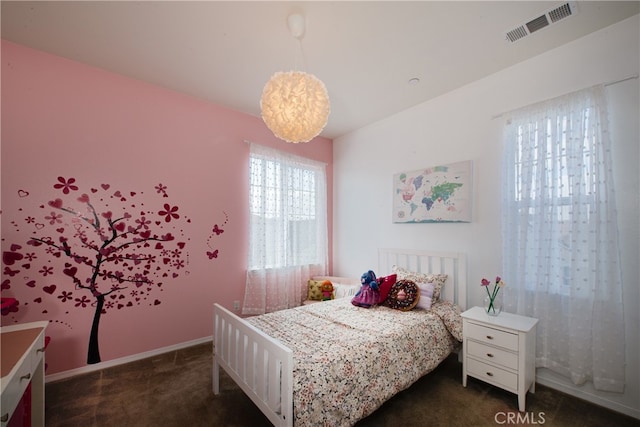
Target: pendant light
[{"x": 295, "y": 104}]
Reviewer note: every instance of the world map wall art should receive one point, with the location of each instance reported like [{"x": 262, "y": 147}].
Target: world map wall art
[{"x": 434, "y": 194}]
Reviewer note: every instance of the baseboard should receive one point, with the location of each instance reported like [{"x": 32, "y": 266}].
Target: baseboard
[
  {"x": 589, "y": 397},
  {"x": 122, "y": 360}
]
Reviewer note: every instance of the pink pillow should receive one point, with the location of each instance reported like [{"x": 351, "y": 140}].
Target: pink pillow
[{"x": 385, "y": 284}]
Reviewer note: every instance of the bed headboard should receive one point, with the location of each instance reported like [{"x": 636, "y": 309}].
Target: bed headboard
[{"x": 453, "y": 264}]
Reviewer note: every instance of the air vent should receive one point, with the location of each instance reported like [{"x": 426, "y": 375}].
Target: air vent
[
  {"x": 550, "y": 17},
  {"x": 517, "y": 33},
  {"x": 537, "y": 24},
  {"x": 561, "y": 12}
]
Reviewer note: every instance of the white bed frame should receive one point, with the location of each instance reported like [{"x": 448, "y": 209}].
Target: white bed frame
[{"x": 263, "y": 367}]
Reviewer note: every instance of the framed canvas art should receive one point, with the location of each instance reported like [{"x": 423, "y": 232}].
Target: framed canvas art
[{"x": 435, "y": 194}]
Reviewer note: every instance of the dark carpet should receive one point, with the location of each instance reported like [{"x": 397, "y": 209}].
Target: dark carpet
[{"x": 174, "y": 389}]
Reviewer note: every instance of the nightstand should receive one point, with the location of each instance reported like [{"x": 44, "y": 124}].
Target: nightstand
[{"x": 500, "y": 350}]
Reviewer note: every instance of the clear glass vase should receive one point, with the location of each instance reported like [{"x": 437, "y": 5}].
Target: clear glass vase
[{"x": 493, "y": 309}]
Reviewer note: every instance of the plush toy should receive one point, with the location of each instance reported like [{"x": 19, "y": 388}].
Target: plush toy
[
  {"x": 327, "y": 290},
  {"x": 369, "y": 293}
]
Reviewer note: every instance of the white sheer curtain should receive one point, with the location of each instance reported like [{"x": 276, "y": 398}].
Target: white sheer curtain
[
  {"x": 560, "y": 236},
  {"x": 288, "y": 236}
]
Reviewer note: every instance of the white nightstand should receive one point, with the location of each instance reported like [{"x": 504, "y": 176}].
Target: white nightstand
[{"x": 500, "y": 350}]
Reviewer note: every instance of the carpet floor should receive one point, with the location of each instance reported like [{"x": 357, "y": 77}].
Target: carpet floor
[{"x": 174, "y": 389}]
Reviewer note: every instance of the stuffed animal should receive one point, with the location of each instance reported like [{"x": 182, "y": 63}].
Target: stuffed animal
[
  {"x": 327, "y": 290},
  {"x": 369, "y": 293}
]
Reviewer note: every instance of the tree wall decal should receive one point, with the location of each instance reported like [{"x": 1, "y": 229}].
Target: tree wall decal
[{"x": 112, "y": 249}]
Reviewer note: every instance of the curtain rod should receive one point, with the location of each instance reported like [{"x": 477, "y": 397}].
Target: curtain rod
[
  {"x": 621, "y": 80},
  {"x": 497, "y": 116}
]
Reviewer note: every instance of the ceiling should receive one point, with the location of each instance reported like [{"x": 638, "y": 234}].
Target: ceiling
[{"x": 365, "y": 52}]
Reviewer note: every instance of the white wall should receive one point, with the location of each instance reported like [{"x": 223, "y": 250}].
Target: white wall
[{"x": 461, "y": 125}]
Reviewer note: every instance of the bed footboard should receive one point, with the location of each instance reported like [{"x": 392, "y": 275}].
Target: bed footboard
[{"x": 259, "y": 364}]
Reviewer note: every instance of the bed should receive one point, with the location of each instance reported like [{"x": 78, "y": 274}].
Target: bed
[{"x": 333, "y": 363}]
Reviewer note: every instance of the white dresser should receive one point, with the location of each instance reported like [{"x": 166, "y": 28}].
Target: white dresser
[
  {"x": 22, "y": 362},
  {"x": 500, "y": 350}
]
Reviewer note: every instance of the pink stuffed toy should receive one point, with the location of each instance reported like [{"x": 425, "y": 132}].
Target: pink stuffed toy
[{"x": 369, "y": 293}]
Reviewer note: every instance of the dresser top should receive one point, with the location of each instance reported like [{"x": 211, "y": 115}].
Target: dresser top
[
  {"x": 503, "y": 320},
  {"x": 14, "y": 344}
]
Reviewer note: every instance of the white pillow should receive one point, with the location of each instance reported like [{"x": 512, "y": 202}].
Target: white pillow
[
  {"x": 343, "y": 291},
  {"x": 426, "y": 294}
]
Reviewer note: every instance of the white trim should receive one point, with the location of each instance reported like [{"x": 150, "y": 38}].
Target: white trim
[
  {"x": 122, "y": 360},
  {"x": 586, "y": 395}
]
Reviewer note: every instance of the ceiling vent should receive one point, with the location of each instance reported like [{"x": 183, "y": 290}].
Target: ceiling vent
[{"x": 550, "y": 17}]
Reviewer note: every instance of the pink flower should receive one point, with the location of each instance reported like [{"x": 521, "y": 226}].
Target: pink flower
[
  {"x": 45, "y": 271},
  {"x": 66, "y": 184},
  {"x": 82, "y": 302},
  {"x": 65, "y": 296},
  {"x": 499, "y": 283},
  {"x": 54, "y": 218},
  {"x": 169, "y": 212},
  {"x": 161, "y": 189},
  {"x": 143, "y": 223}
]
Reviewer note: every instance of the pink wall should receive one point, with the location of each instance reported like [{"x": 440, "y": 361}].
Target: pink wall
[{"x": 64, "y": 119}]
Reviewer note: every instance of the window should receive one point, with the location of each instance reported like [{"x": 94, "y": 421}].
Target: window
[
  {"x": 283, "y": 199},
  {"x": 288, "y": 240},
  {"x": 560, "y": 236},
  {"x": 553, "y": 178}
]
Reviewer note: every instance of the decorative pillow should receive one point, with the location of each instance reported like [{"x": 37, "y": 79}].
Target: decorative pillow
[
  {"x": 385, "y": 284},
  {"x": 341, "y": 291},
  {"x": 426, "y": 294},
  {"x": 437, "y": 279},
  {"x": 342, "y": 286},
  {"x": 315, "y": 291},
  {"x": 404, "y": 295},
  {"x": 450, "y": 315}
]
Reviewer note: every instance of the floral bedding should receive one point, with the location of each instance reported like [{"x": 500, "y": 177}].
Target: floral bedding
[{"x": 349, "y": 360}]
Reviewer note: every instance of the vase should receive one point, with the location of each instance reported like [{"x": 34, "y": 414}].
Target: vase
[{"x": 495, "y": 308}]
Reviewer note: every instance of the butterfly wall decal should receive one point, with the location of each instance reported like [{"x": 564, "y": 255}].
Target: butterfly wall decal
[{"x": 213, "y": 254}]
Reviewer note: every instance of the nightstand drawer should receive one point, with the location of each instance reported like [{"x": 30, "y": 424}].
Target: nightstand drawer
[
  {"x": 492, "y": 354},
  {"x": 491, "y": 374},
  {"x": 493, "y": 336}
]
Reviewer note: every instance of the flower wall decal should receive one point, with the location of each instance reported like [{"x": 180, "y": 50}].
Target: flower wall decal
[{"x": 100, "y": 249}]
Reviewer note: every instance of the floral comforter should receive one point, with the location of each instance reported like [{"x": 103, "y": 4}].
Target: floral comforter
[{"x": 349, "y": 360}]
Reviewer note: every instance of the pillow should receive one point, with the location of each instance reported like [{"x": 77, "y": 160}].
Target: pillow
[
  {"x": 315, "y": 292},
  {"x": 437, "y": 279},
  {"x": 404, "y": 295},
  {"x": 426, "y": 294},
  {"x": 341, "y": 291},
  {"x": 385, "y": 284},
  {"x": 342, "y": 286}
]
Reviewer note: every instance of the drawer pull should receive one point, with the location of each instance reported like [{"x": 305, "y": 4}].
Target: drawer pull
[
  {"x": 40, "y": 350},
  {"x": 489, "y": 337},
  {"x": 489, "y": 374},
  {"x": 489, "y": 355},
  {"x": 5, "y": 417},
  {"x": 25, "y": 377}
]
